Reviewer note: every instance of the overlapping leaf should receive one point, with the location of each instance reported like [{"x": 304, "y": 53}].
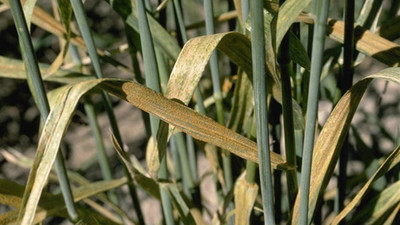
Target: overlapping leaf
[
  {"x": 186, "y": 119},
  {"x": 378, "y": 208},
  {"x": 13, "y": 68},
  {"x": 245, "y": 197},
  {"x": 330, "y": 140},
  {"x": 11, "y": 195}
]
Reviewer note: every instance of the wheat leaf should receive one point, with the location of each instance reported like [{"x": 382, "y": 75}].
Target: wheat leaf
[{"x": 330, "y": 140}]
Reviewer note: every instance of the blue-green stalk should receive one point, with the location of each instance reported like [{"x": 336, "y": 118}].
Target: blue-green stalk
[
  {"x": 321, "y": 10},
  {"x": 226, "y": 159},
  {"x": 37, "y": 89},
  {"x": 101, "y": 149},
  {"x": 153, "y": 82},
  {"x": 94, "y": 126},
  {"x": 344, "y": 83},
  {"x": 251, "y": 167},
  {"x": 83, "y": 25},
  {"x": 261, "y": 112},
  {"x": 190, "y": 165},
  {"x": 287, "y": 111}
]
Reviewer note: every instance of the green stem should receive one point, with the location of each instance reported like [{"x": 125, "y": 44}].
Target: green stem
[
  {"x": 287, "y": 110},
  {"x": 101, "y": 149},
  {"x": 312, "y": 106},
  {"x": 215, "y": 76},
  {"x": 260, "y": 93},
  {"x": 83, "y": 25},
  {"x": 251, "y": 167},
  {"x": 36, "y": 86},
  {"x": 190, "y": 164},
  {"x": 152, "y": 81},
  {"x": 345, "y": 82}
]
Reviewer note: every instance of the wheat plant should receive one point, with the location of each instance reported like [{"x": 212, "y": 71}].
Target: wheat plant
[{"x": 238, "y": 86}]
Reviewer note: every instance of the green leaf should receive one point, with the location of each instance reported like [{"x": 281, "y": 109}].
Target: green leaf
[
  {"x": 163, "y": 40},
  {"x": 188, "y": 214},
  {"x": 379, "y": 207},
  {"x": 297, "y": 52},
  {"x": 287, "y": 14},
  {"x": 384, "y": 204}
]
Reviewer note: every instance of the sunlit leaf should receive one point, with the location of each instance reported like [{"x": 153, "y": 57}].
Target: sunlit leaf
[
  {"x": 186, "y": 119},
  {"x": 330, "y": 140},
  {"x": 15, "y": 69}
]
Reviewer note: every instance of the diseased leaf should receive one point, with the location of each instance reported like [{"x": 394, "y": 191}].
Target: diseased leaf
[
  {"x": 11, "y": 194},
  {"x": 245, "y": 197},
  {"x": 243, "y": 105},
  {"x": 28, "y": 9},
  {"x": 368, "y": 43},
  {"x": 15, "y": 69},
  {"x": 329, "y": 143},
  {"x": 137, "y": 174},
  {"x": 186, "y": 119}
]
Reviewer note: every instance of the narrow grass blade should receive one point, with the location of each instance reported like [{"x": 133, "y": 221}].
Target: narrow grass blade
[
  {"x": 182, "y": 117},
  {"x": 11, "y": 194},
  {"x": 287, "y": 112},
  {"x": 260, "y": 101},
  {"x": 288, "y": 14},
  {"x": 153, "y": 81},
  {"x": 15, "y": 69},
  {"x": 298, "y": 53},
  {"x": 378, "y": 208},
  {"x": 163, "y": 40},
  {"x": 312, "y": 107},
  {"x": 137, "y": 173},
  {"x": 328, "y": 145},
  {"x": 367, "y": 43},
  {"x": 369, "y": 12},
  {"x": 101, "y": 149},
  {"x": 188, "y": 214},
  {"x": 36, "y": 86},
  {"x": 28, "y": 10},
  {"x": 217, "y": 94},
  {"x": 242, "y": 106},
  {"x": 391, "y": 219},
  {"x": 65, "y": 13},
  {"x": 84, "y": 28},
  {"x": 391, "y": 161},
  {"x": 170, "y": 111}
]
